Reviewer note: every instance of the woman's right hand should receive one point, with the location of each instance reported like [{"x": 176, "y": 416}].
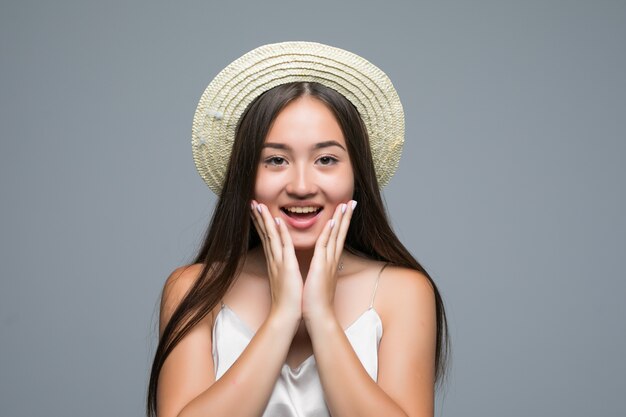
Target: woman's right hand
[{"x": 282, "y": 265}]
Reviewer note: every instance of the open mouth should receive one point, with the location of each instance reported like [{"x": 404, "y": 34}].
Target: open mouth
[{"x": 301, "y": 213}]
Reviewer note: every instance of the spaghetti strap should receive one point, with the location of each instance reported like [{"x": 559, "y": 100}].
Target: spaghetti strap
[{"x": 376, "y": 285}]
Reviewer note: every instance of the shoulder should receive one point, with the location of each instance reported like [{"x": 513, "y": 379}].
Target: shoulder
[
  {"x": 402, "y": 282},
  {"x": 176, "y": 287},
  {"x": 405, "y": 293},
  {"x": 180, "y": 282}
]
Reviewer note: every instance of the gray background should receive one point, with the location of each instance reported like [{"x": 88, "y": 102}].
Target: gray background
[{"x": 510, "y": 190}]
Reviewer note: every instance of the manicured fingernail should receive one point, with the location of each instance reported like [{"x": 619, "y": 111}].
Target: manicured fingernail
[
  {"x": 353, "y": 204},
  {"x": 258, "y": 208},
  {"x": 332, "y": 223},
  {"x": 343, "y": 208},
  {"x": 252, "y": 206},
  {"x": 277, "y": 220}
]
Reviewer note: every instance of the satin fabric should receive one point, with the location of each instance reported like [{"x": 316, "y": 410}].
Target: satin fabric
[{"x": 297, "y": 392}]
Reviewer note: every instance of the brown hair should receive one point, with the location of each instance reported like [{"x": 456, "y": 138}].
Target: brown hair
[{"x": 231, "y": 234}]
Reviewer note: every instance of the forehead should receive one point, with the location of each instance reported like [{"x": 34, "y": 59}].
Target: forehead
[{"x": 305, "y": 121}]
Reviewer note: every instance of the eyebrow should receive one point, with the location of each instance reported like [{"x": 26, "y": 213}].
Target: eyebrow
[{"x": 319, "y": 145}]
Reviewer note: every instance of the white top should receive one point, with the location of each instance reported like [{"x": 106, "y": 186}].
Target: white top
[{"x": 297, "y": 392}]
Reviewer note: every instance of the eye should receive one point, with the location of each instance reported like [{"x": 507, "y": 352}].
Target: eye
[
  {"x": 275, "y": 160},
  {"x": 327, "y": 160}
]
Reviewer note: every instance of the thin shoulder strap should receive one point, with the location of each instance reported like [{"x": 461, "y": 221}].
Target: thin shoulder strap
[{"x": 376, "y": 285}]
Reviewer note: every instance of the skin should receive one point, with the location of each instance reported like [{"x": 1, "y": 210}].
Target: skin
[
  {"x": 308, "y": 303},
  {"x": 294, "y": 169}
]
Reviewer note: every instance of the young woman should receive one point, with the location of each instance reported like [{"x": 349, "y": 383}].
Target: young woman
[{"x": 301, "y": 301}]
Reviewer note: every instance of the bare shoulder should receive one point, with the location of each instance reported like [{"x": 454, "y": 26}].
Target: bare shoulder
[
  {"x": 404, "y": 291},
  {"x": 405, "y": 282},
  {"x": 176, "y": 286},
  {"x": 183, "y": 277}
]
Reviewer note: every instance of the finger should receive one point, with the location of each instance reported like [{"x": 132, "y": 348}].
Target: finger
[
  {"x": 258, "y": 224},
  {"x": 284, "y": 234},
  {"x": 256, "y": 212},
  {"x": 332, "y": 240},
  {"x": 321, "y": 246},
  {"x": 343, "y": 228},
  {"x": 275, "y": 242},
  {"x": 288, "y": 249}
]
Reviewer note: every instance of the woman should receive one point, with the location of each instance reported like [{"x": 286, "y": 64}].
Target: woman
[{"x": 283, "y": 310}]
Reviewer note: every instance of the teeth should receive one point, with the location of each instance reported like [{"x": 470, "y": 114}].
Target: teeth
[{"x": 301, "y": 209}]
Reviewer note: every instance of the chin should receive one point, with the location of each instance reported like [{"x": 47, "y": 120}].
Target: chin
[{"x": 304, "y": 244}]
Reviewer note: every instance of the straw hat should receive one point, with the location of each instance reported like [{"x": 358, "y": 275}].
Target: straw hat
[{"x": 236, "y": 86}]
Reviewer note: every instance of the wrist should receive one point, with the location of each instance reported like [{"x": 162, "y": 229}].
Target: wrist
[
  {"x": 284, "y": 319},
  {"x": 322, "y": 316}
]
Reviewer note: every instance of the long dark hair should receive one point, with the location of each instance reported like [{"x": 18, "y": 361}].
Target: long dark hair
[{"x": 231, "y": 234}]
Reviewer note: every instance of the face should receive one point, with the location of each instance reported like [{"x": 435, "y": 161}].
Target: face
[{"x": 304, "y": 172}]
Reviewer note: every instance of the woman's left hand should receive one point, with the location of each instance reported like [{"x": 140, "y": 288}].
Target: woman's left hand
[{"x": 319, "y": 288}]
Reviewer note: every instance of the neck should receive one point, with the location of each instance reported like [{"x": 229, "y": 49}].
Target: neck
[{"x": 304, "y": 260}]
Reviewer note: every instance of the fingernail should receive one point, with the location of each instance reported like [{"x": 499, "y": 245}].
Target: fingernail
[
  {"x": 343, "y": 208},
  {"x": 258, "y": 208},
  {"x": 252, "y": 206},
  {"x": 353, "y": 204},
  {"x": 332, "y": 223},
  {"x": 277, "y": 220}
]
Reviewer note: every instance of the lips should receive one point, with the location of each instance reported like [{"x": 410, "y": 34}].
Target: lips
[{"x": 301, "y": 220}]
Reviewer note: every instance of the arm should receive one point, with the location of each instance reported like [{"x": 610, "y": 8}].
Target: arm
[
  {"x": 406, "y": 355},
  {"x": 187, "y": 386}
]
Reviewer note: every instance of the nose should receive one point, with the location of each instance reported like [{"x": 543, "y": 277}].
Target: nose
[{"x": 302, "y": 183}]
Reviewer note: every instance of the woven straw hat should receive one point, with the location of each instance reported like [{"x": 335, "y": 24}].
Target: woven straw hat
[{"x": 236, "y": 86}]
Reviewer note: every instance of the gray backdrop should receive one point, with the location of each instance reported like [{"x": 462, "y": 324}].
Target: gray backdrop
[{"x": 510, "y": 190}]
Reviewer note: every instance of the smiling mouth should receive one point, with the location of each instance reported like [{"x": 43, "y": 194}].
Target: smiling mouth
[{"x": 301, "y": 213}]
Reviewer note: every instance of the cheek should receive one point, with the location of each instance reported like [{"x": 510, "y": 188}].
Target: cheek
[
  {"x": 340, "y": 187},
  {"x": 347, "y": 183},
  {"x": 347, "y": 190},
  {"x": 258, "y": 188},
  {"x": 265, "y": 188}
]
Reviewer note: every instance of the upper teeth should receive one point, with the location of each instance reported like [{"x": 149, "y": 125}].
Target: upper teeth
[{"x": 301, "y": 209}]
